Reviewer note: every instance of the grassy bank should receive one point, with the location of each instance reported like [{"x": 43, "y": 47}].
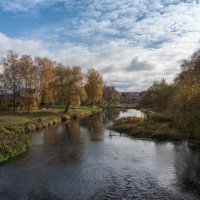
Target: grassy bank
[
  {"x": 16, "y": 126},
  {"x": 156, "y": 126},
  {"x": 14, "y": 129},
  {"x": 121, "y": 106},
  {"x": 84, "y": 111}
]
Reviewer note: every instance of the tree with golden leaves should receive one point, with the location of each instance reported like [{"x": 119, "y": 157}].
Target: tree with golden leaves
[
  {"x": 69, "y": 85},
  {"x": 46, "y": 76},
  {"x": 94, "y": 86},
  {"x": 185, "y": 102}
]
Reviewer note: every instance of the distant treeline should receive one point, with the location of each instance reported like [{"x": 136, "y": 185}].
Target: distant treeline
[
  {"x": 181, "y": 99},
  {"x": 27, "y": 83}
]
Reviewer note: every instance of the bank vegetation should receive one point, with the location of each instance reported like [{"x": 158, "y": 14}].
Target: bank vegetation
[
  {"x": 175, "y": 106},
  {"x": 38, "y": 92}
]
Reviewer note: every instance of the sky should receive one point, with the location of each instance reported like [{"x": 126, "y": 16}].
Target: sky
[{"x": 132, "y": 43}]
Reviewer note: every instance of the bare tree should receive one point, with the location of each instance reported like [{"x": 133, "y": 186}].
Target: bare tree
[{"x": 11, "y": 75}]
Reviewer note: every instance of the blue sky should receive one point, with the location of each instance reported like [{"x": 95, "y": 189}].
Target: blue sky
[{"x": 131, "y": 42}]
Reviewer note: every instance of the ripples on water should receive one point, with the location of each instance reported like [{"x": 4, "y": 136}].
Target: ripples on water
[{"x": 84, "y": 160}]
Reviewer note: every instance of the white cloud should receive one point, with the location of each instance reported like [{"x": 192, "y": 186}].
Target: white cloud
[
  {"x": 115, "y": 56},
  {"x": 24, "y": 6},
  {"x": 23, "y": 46},
  {"x": 109, "y": 35}
]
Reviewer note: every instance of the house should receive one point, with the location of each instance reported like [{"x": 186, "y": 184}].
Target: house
[{"x": 131, "y": 97}]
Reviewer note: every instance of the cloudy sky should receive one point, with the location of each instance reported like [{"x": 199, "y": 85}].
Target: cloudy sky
[{"x": 131, "y": 42}]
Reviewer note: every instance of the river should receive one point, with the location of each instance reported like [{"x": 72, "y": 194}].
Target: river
[{"x": 86, "y": 161}]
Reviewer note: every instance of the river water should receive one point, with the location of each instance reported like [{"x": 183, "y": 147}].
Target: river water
[{"x": 84, "y": 161}]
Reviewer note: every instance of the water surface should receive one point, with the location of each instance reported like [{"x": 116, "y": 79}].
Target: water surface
[
  {"x": 130, "y": 112},
  {"x": 85, "y": 161}
]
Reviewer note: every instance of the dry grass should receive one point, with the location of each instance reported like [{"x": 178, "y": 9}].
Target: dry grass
[{"x": 156, "y": 127}]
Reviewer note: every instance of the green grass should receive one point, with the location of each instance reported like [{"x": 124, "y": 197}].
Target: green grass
[
  {"x": 155, "y": 127},
  {"x": 12, "y": 143}
]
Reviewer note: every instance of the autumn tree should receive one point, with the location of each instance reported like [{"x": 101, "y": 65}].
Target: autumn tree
[
  {"x": 94, "y": 86},
  {"x": 185, "y": 104},
  {"x": 69, "y": 85},
  {"x": 28, "y": 91},
  {"x": 158, "y": 96},
  {"x": 11, "y": 75},
  {"x": 45, "y": 70},
  {"x": 41, "y": 81}
]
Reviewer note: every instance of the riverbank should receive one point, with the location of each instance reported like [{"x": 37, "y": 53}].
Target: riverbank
[
  {"x": 122, "y": 106},
  {"x": 155, "y": 126},
  {"x": 16, "y": 126}
]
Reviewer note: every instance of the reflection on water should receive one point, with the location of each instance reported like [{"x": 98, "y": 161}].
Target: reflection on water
[
  {"x": 188, "y": 172},
  {"x": 84, "y": 160},
  {"x": 73, "y": 131},
  {"x": 95, "y": 127},
  {"x": 130, "y": 112},
  {"x": 109, "y": 116}
]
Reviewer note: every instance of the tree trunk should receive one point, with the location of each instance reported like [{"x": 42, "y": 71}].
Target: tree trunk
[
  {"x": 29, "y": 106},
  {"x": 66, "y": 107},
  {"x": 26, "y": 93},
  {"x": 14, "y": 99},
  {"x": 91, "y": 104},
  {"x": 41, "y": 106}
]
